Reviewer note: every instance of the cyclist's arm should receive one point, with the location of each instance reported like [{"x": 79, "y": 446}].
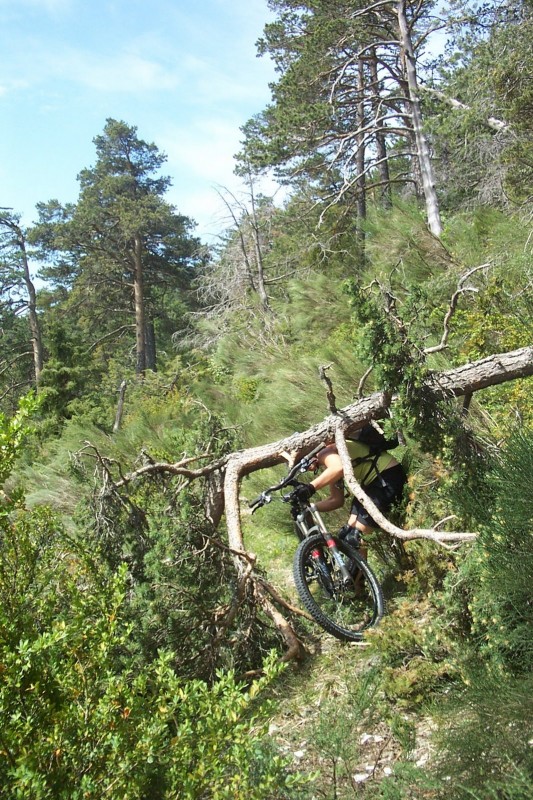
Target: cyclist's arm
[
  {"x": 335, "y": 499},
  {"x": 330, "y": 460}
]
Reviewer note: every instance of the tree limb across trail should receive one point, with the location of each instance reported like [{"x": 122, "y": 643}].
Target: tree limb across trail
[{"x": 225, "y": 475}]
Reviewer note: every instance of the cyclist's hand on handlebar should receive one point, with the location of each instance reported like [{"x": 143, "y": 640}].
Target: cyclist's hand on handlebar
[
  {"x": 302, "y": 492},
  {"x": 259, "y": 502}
]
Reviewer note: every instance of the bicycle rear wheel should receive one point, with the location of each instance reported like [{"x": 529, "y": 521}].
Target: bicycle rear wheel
[{"x": 345, "y": 611}]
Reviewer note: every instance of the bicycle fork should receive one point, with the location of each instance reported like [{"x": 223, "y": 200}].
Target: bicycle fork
[{"x": 319, "y": 527}]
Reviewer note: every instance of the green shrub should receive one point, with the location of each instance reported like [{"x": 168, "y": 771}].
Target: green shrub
[
  {"x": 414, "y": 654},
  {"x": 78, "y": 721},
  {"x": 485, "y": 742},
  {"x": 78, "y": 718},
  {"x": 494, "y": 582}
]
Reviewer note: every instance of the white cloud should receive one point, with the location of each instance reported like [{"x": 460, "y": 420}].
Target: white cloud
[
  {"x": 201, "y": 156},
  {"x": 140, "y": 66},
  {"x": 125, "y": 72},
  {"x": 205, "y": 146},
  {"x": 8, "y": 85},
  {"x": 132, "y": 68}
]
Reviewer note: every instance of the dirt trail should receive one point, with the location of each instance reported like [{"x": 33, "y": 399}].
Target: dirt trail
[{"x": 323, "y": 726}]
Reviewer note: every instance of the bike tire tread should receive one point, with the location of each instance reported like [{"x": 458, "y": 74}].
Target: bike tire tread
[{"x": 301, "y": 555}]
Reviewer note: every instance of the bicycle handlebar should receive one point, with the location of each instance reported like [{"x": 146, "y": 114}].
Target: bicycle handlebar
[{"x": 300, "y": 466}]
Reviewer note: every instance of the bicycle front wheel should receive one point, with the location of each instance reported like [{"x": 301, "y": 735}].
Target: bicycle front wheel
[{"x": 343, "y": 609}]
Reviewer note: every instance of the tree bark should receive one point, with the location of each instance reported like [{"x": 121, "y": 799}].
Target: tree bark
[
  {"x": 138, "y": 290},
  {"x": 120, "y": 406},
  {"x": 360, "y": 156},
  {"x": 33, "y": 320},
  {"x": 381, "y": 143},
  {"x": 151, "y": 353},
  {"x": 36, "y": 340},
  {"x": 258, "y": 250},
  {"x": 489, "y": 371},
  {"x": 426, "y": 169}
]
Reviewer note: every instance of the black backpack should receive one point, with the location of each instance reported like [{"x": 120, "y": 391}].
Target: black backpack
[
  {"x": 375, "y": 439},
  {"x": 377, "y": 442}
]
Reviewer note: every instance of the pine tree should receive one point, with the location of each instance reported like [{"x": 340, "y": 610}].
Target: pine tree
[
  {"x": 346, "y": 109},
  {"x": 121, "y": 246}
]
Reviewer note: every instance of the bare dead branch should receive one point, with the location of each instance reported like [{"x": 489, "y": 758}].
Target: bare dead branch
[
  {"x": 238, "y": 599},
  {"x": 120, "y": 406},
  {"x": 330, "y": 395},
  {"x": 179, "y": 468},
  {"x": 466, "y": 403},
  {"x": 361, "y": 384},
  {"x": 387, "y": 526},
  {"x": 492, "y": 122},
  {"x": 477, "y": 375},
  {"x": 9, "y": 364},
  {"x": 116, "y": 332},
  {"x": 281, "y": 600},
  {"x": 452, "y": 308}
]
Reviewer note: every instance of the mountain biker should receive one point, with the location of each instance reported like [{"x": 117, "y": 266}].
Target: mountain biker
[{"x": 382, "y": 478}]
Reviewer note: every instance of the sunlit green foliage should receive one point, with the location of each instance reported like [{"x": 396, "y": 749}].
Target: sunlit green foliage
[
  {"x": 117, "y": 677},
  {"x": 80, "y": 719},
  {"x": 13, "y": 433},
  {"x": 77, "y": 721}
]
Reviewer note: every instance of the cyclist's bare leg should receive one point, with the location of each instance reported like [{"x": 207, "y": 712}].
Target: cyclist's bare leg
[{"x": 363, "y": 549}]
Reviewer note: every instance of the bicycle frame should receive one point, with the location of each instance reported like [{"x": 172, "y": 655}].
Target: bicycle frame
[
  {"x": 324, "y": 570},
  {"x": 302, "y": 510}
]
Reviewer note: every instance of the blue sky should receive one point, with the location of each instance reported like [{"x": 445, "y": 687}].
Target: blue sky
[{"x": 185, "y": 72}]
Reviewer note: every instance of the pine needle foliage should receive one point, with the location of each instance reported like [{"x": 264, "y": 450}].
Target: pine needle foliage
[
  {"x": 272, "y": 368},
  {"x": 484, "y": 745},
  {"x": 499, "y": 569}
]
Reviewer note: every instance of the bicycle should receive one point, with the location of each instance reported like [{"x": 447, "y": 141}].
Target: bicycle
[{"x": 335, "y": 583}]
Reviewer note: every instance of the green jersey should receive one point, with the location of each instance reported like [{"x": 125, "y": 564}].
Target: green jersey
[{"x": 365, "y": 472}]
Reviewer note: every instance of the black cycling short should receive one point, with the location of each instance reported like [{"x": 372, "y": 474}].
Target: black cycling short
[{"x": 386, "y": 490}]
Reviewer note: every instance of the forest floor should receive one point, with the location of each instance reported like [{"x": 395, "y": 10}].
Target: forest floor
[
  {"x": 330, "y": 723},
  {"x": 331, "y": 716}
]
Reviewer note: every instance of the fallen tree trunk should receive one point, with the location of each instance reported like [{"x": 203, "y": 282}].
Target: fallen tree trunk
[
  {"x": 223, "y": 494},
  {"x": 457, "y": 382},
  {"x": 452, "y": 383},
  {"x": 477, "y": 375},
  {"x": 224, "y": 476}
]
